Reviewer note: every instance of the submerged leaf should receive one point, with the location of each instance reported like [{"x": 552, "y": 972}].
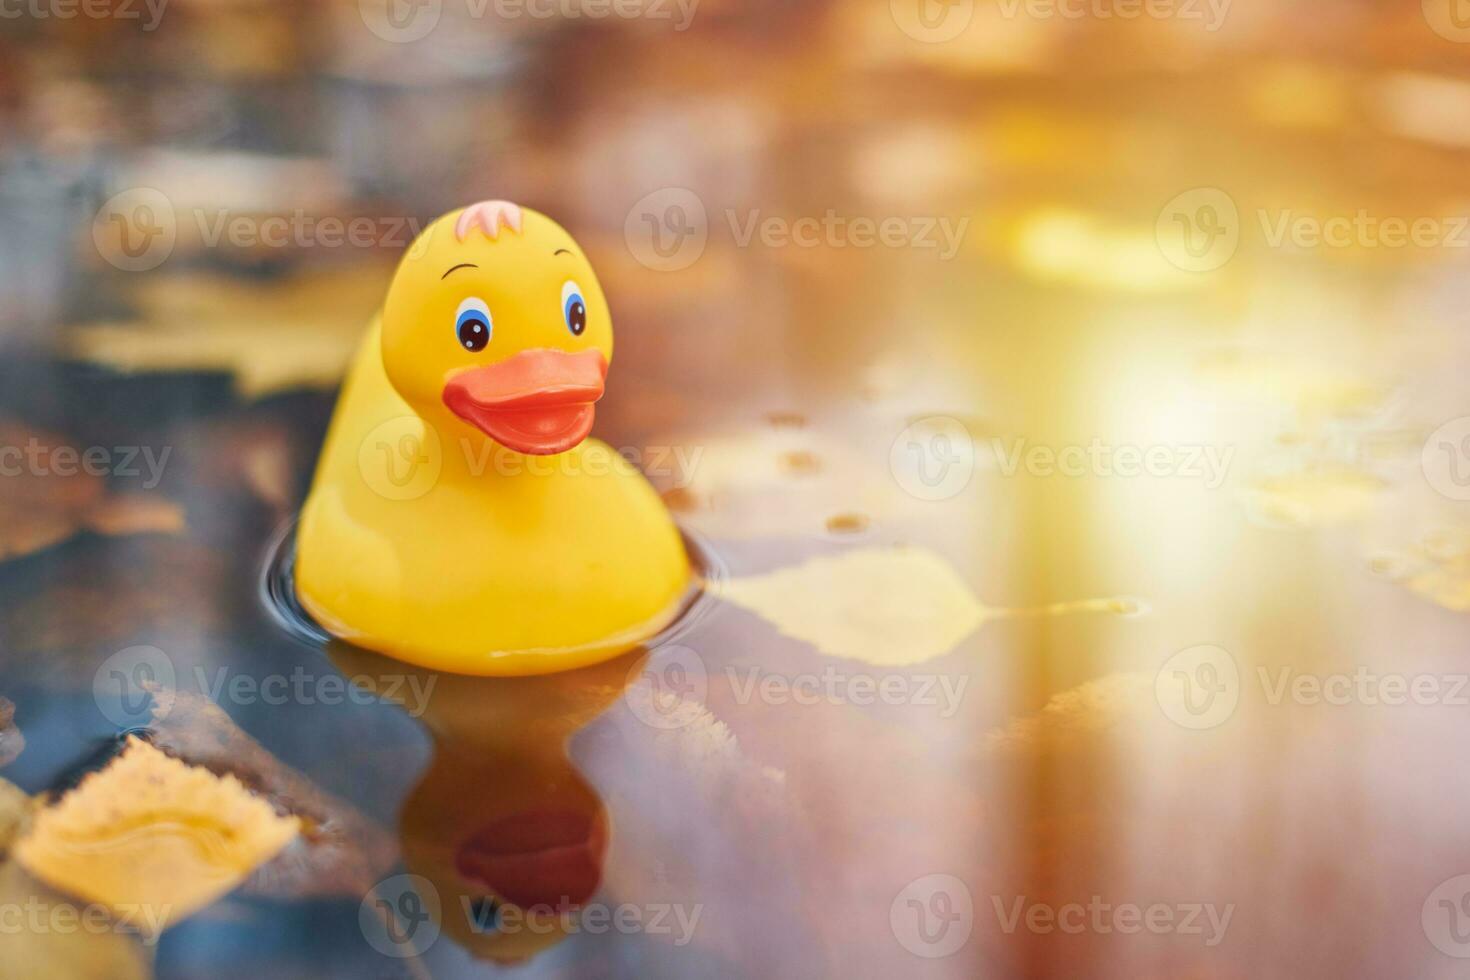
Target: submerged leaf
[
  {"x": 1077, "y": 716},
  {"x": 340, "y": 850},
  {"x": 11, "y": 740},
  {"x": 15, "y": 807}
]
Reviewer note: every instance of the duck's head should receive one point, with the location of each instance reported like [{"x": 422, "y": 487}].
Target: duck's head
[{"x": 495, "y": 320}]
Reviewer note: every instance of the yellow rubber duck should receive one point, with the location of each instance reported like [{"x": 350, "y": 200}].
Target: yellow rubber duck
[{"x": 460, "y": 518}]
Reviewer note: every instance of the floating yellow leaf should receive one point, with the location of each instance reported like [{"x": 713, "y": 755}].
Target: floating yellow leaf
[
  {"x": 1058, "y": 244},
  {"x": 1315, "y": 388},
  {"x": 296, "y": 334},
  {"x": 1437, "y": 568},
  {"x": 152, "y": 838},
  {"x": 885, "y": 606},
  {"x": 1315, "y": 497}
]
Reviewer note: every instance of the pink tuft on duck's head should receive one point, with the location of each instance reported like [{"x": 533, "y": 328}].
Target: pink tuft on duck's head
[{"x": 488, "y": 216}]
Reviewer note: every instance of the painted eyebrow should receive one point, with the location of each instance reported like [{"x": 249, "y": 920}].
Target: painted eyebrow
[
  {"x": 562, "y": 251},
  {"x": 462, "y": 265}
]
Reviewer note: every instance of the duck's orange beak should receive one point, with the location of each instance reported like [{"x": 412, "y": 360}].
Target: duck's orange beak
[{"x": 537, "y": 402}]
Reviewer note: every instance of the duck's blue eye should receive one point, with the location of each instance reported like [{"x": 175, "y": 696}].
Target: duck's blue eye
[
  {"x": 573, "y": 308},
  {"x": 472, "y": 324}
]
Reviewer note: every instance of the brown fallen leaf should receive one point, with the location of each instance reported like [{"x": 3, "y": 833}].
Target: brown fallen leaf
[
  {"x": 340, "y": 851},
  {"x": 47, "y": 499},
  {"x": 136, "y": 513},
  {"x": 12, "y": 742},
  {"x": 164, "y": 587},
  {"x": 153, "y": 838}
]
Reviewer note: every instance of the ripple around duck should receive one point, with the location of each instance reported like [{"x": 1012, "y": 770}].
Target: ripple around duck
[{"x": 277, "y": 590}]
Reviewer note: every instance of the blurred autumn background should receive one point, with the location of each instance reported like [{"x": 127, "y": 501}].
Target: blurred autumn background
[{"x": 1070, "y": 390}]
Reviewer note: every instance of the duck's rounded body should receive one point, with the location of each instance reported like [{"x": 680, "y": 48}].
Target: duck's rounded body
[{"x": 470, "y": 527}]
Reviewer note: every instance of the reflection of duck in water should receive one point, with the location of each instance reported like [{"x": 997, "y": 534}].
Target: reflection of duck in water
[{"x": 501, "y": 817}]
